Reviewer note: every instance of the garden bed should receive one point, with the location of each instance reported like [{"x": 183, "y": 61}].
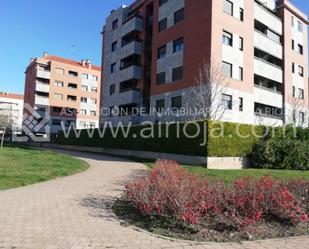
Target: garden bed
[{"x": 171, "y": 201}]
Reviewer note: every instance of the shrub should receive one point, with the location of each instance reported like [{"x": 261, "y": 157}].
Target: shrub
[
  {"x": 170, "y": 191},
  {"x": 281, "y": 154}
]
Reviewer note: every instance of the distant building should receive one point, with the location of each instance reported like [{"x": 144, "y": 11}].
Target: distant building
[
  {"x": 11, "y": 106},
  {"x": 153, "y": 51},
  {"x": 65, "y": 91}
]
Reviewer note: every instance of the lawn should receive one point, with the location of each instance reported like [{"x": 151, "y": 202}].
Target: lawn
[
  {"x": 25, "y": 166},
  {"x": 230, "y": 175}
]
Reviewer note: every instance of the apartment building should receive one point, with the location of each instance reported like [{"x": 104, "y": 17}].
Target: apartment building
[
  {"x": 153, "y": 51},
  {"x": 11, "y": 108},
  {"x": 64, "y": 91}
]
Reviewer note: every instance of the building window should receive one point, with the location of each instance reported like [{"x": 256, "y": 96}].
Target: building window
[
  {"x": 83, "y": 100},
  {"x": 93, "y": 113},
  {"x": 301, "y": 93},
  {"x": 58, "y": 96},
  {"x": 60, "y": 71},
  {"x": 299, "y": 26},
  {"x": 56, "y": 122},
  {"x": 241, "y": 104},
  {"x": 83, "y": 112},
  {"x": 241, "y": 73},
  {"x": 161, "y": 78},
  {"x": 71, "y": 98},
  {"x": 115, "y": 24},
  {"x": 293, "y": 44},
  {"x": 227, "y": 38},
  {"x": 292, "y": 21},
  {"x": 241, "y": 44},
  {"x": 177, "y": 102},
  {"x": 293, "y": 91},
  {"x": 95, "y": 78},
  {"x": 93, "y": 101},
  {"x": 160, "y": 105},
  {"x": 112, "y": 89},
  {"x": 114, "y": 46},
  {"x": 241, "y": 14},
  {"x": 73, "y": 74},
  {"x": 301, "y": 71},
  {"x": 84, "y": 88},
  {"x": 226, "y": 101},
  {"x": 162, "y": 52},
  {"x": 178, "y": 45},
  {"x": 228, "y": 7},
  {"x": 301, "y": 117},
  {"x": 227, "y": 69},
  {"x": 179, "y": 16},
  {"x": 163, "y": 25},
  {"x": 85, "y": 76},
  {"x": 177, "y": 73},
  {"x": 94, "y": 89},
  {"x": 161, "y": 2},
  {"x": 300, "y": 49},
  {"x": 113, "y": 68},
  {"x": 293, "y": 67},
  {"x": 59, "y": 83},
  {"x": 72, "y": 86}
]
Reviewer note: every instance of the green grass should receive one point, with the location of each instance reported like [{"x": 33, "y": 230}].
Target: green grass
[
  {"x": 20, "y": 166},
  {"x": 230, "y": 175}
]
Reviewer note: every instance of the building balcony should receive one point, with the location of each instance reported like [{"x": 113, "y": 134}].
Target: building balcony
[
  {"x": 268, "y": 18},
  {"x": 129, "y": 73},
  {"x": 43, "y": 74},
  {"x": 268, "y": 70},
  {"x": 42, "y": 87},
  {"x": 134, "y": 24},
  {"x": 41, "y": 100},
  {"x": 134, "y": 47},
  {"x": 263, "y": 42},
  {"x": 132, "y": 96},
  {"x": 268, "y": 97}
]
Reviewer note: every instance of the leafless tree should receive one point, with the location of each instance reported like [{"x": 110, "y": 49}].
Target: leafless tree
[
  {"x": 294, "y": 110},
  {"x": 6, "y": 126},
  {"x": 205, "y": 96}
]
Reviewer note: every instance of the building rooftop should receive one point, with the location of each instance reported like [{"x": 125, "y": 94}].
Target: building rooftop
[{"x": 11, "y": 95}]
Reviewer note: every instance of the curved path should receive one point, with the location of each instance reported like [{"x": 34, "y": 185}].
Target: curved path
[{"x": 75, "y": 212}]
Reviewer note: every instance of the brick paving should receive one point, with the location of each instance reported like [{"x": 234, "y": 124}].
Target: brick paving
[{"x": 75, "y": 213}]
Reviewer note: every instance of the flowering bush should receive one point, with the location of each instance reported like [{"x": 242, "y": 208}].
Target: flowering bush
[{"x": 168, "y": 190}]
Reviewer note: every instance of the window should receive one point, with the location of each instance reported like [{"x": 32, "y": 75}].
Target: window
[
  {"x": 301, "y": 117},
  {"x": 161, "y": 2},
  {"x": 72, "y": 86},
  {"x": 73, "y": 74},
  {"x": 293, "y": 44},
  {"x": 163, "y": 25},
  {"x": 112, "y": 89},
  {"x": 93, "y": 101},
  {"x": 177, "y": 102},
  {"x": 161, "y": 78},
  {"x": 226, "y": 101},
  {"x": 83, "y": 112},
  {"x": 293, "y": 91},
  {"x": 58, "y": 96},
  {"x": 241, "y": 73},
  {"x": 160, "y": 105},
  {"x": 84, "y": 88},
  {"x": 241, "y": 104},
  {"x": 241, "y": 14},
  {"x": 94, "y": 78},
  {"x": 71, "y": 98},
  {"x": 93, "y": 113},
  {"x": 227, "y": 69},
  {"x": 228, "y": 7},
  {"x": 60, "y": 71},
  {"x": 292, "y": 21},
  {"x": 179, "y": 16},
  {"x": 57, "y": 109},
  {"x": 115, "y": 24},
  {"x": 85, "y": 76},
  {"x": 178, "y": 45},
  {"x": 83, "y": 100},
  {"x": 113, "y": 68},
  {"x": 241, "y": 44},
  {"x": 177, "y": 73},
  {"x": 162, "y": 52},
  {"x": 94, "y": 89},
  {"x": 293, "y": 67},
  {"x": 300, "y": 49},
  {"x": 56, "y": 122},
  {"x": 301, "y": 94},
  {"x": 299, "y": 26},
  {"x": 227, "y": 38},
  {"x": 301, "y": 71},
  {"x": 114, "y": 46},
  {"x": 59, "y": 83}
]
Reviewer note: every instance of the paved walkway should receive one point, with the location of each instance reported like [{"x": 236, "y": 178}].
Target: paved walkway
[{"x": 75, "y": 212}]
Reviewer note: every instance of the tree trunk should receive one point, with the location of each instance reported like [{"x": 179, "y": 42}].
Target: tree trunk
[{"x": 2, "y": 140}]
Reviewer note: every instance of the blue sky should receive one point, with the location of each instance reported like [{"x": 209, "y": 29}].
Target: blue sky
[{"x": 69, "y": 28}]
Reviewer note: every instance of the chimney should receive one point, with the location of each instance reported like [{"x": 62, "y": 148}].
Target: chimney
[
  {"x": 89, "y": 64},
  {"x": 83, "y": 62},
  {"x": 32, "y": 60},
  {"x": 45, "y": 54}
]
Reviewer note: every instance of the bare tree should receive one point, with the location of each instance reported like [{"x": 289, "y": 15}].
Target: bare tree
[
  {"x": 6, "y": 126},
  {"x": 294, "y": 111},
  {"x": 205, "y": 96}
]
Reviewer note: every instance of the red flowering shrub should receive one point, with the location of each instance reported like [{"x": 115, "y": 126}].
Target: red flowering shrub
[{"x": 171, "y": 191}]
